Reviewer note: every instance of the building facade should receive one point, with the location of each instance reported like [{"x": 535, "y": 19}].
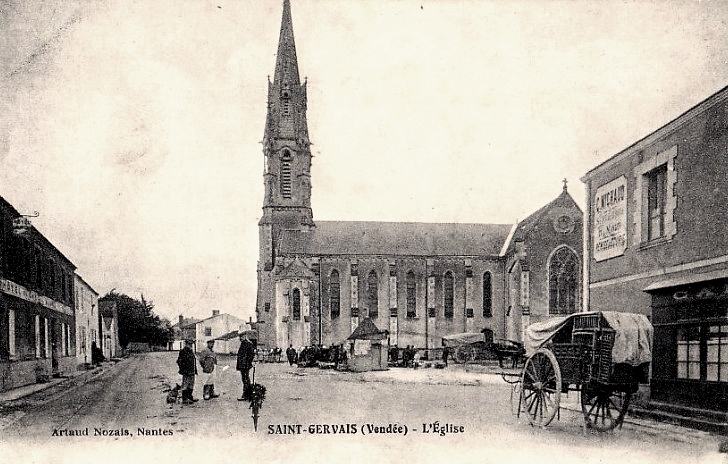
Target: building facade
[
  {"x": 37, "y": 326},
  {"x": 418, "y": 281},
  {"x": 87, "y": 320},
  {"x": 656, "y": 243},
  {"x": 216, "y": 327},
  {"x": 109, "y": 328}
]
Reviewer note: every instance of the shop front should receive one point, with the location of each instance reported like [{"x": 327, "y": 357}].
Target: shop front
[{"x": 690, "y": 362}]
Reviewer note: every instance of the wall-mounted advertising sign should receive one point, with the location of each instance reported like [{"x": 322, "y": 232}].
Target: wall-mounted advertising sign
[{"x": 610, "y": 219}]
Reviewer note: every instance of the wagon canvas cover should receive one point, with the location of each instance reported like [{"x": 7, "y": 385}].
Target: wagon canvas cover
[
  {"x": 465, "y": 338},
  {"x": 632, "y": 338}
]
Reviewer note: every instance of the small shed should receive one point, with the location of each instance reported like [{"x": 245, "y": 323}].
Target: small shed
[{"x": 367, "y": 347}]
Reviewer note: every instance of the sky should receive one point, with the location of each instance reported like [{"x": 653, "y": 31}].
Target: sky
[{"x": 133, "y": 128}]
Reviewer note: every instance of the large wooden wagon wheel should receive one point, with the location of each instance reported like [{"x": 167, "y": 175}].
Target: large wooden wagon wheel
[
  {"x": 603, "y": 407},
  {"x": 540, "y": 387}
]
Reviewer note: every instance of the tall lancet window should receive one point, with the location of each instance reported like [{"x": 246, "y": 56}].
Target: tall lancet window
[
  {"x": 286, "y": 160},
  {"x": 487, "y": 295},
  {"x": 373, "y": 294},
  {"x": 334, "y": 294},
  {"x": 563, "y": 281},
  {"x": 411, "y": 295},
  {"x": 296, "y": 304},
  {"x": 448, "y": 285}
]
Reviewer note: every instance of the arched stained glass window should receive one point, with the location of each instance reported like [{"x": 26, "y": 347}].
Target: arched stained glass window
[
  {"x": 334, "y": 294},
  {"x": 373, "y": 294},
  {"x": 448, "y": 285},
  {"x": 563, "y": 281}
]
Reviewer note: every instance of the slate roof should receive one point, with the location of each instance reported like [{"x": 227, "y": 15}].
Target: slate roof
[
  {"x": 395, "y": 238},
  {"x": 367, "y": 330}
]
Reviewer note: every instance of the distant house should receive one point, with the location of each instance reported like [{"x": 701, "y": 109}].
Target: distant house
[
  {"x": 179, "y": 334},
  {"x": 87, "y": 320},
  {"x": 211, "y": 328},
  {"x": 109, "y": 328}
]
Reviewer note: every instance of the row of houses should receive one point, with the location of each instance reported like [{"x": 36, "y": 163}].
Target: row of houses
[{"x": 50, "y": 318}]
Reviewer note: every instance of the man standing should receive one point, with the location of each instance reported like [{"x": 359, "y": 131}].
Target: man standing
[
  {"x": 208, "y": 361},
  {"x": 291, "y": 354},
  {"x": 246, "y": 354},
  {"x": 187, "y": 369}
]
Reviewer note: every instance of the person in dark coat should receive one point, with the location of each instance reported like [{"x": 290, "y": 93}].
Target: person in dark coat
[
  {"x": 445, "y": 354},
  {"x": 97, "y": 356},
  {"x": 187, "y": 369},
  {"x": 291, "y": 355},
  {"x": 246, "y": 354}
]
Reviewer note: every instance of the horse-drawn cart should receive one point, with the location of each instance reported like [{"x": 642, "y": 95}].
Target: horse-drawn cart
[
  {"x": 480, "y": 346},
  {"x": 603, "y": 355}
]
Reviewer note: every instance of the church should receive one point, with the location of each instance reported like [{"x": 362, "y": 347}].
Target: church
[{"x": 418, "y": 281}]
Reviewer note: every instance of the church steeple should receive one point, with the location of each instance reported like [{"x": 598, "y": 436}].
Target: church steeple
[
  {"x": 286, "y": 96},
  {"x": 286, "y": 147},
  {"x": 286, "y": 62}
]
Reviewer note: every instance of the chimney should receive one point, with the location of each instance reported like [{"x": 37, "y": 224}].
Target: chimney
[
  {"x": 215, "y": 312},
  {"x": 181, "y": 319}
]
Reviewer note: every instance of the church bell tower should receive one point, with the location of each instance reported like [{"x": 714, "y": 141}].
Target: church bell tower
[{"x": 286, "y": 149}]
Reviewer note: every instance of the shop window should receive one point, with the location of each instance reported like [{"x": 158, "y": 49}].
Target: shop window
[
  {"x": 11, "y": 333},
  {"x": 563, "y": 281},
  {"x": 37, "y": 336},
  {"x": 334, "y": 295},
  {"x": 296, "y": 304},
  {"x": 411, "y": 295},
  {"x": 688, "y": 353},
  {"x": 487, "y": 295},
  {"x": 373, "y": 294},
  {"x": 449, "y": 294},
  {"x": 717, "y": 354}
]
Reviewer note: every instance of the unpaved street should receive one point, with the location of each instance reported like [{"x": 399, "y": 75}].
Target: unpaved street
[{"x": 320, "y": 415}]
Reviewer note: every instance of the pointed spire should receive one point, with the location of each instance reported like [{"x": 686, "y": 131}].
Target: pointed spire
[{"x": 286, "y": 61}]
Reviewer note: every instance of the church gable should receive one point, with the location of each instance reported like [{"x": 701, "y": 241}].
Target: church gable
[
  {"x": 295, "y": 270},
  {"x": 560, "y": 217}
]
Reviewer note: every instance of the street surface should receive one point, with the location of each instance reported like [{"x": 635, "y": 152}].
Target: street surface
[{"x": 456, "y": 414}]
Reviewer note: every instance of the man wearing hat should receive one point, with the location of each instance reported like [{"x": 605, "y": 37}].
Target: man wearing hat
[
  {"x": 187, "y": 369},
  {"x": 208, "y": 361},
  {"x": 246, "y": 354}
]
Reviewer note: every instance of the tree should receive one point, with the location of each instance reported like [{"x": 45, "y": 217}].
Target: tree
[{"x": 137, "y": 321}]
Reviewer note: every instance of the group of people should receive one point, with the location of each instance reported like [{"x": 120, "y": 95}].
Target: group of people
[
  {"x": 409, "y": 356},
  {"x": 312, "y": 355},
  {"x": 187, "y": 363}
]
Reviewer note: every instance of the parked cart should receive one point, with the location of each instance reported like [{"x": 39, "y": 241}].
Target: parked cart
[{"x": 603, "y": 355}]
